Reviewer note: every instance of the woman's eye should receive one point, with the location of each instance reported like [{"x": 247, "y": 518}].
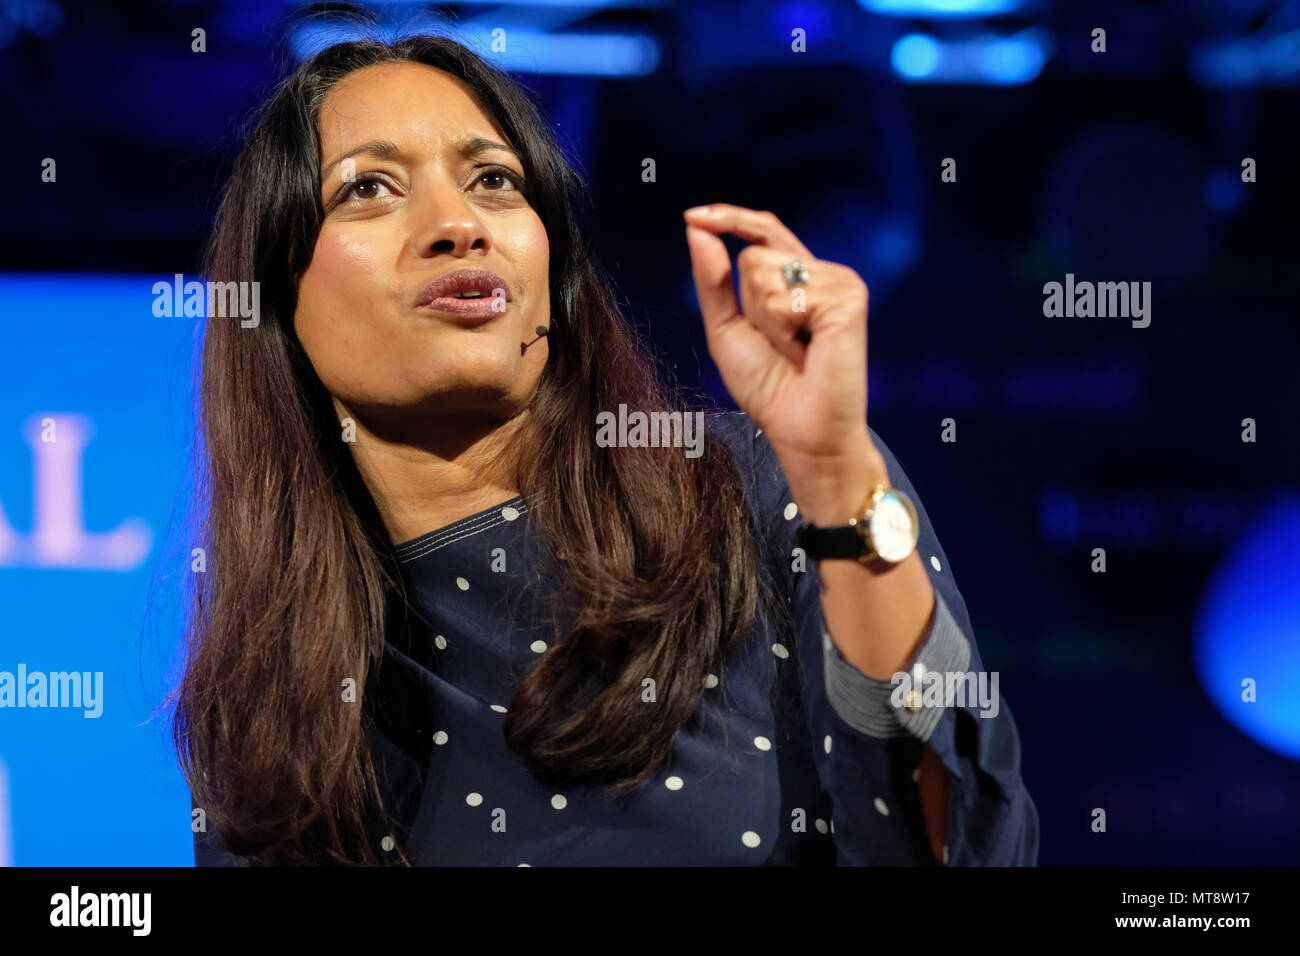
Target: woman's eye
[
  {"x": 359, "y": 189},
  {"x": 367, "y": 186},
  {"x": 503, "y": 176}
]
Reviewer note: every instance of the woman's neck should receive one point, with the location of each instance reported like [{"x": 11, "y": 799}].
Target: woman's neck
[{"x": 427, "y": 472}]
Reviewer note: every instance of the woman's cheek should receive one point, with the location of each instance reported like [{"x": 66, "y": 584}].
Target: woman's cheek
[
  {"x": 533, "y": 251},
  {"x": 344, "y": 276},
  {"x": 348, "y": 257},
  {"x": 338, "y": 287}
]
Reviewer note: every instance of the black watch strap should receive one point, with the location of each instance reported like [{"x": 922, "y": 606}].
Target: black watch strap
[{"x": 823, "y": 543}]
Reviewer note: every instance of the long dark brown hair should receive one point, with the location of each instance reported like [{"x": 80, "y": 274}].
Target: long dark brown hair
[{"x": 655, "y": 551}]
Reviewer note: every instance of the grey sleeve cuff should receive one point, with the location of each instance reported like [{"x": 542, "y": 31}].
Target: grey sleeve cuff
[{"x": 864, "y": 703}]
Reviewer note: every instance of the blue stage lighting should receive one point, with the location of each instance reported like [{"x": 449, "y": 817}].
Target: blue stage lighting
[
  {"x": 941, "y": 8},
  {"x": 915, "y": 56},
  {"x": 987, "y": 59},
  {"x": 526, "y": 50},
  {"x": 1247, "y": 641}
]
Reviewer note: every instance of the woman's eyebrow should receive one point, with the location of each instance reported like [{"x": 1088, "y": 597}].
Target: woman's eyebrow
[
  {"x": 379, "y": 147},
  {"x": 477, "y": 144},
  {"x": 388, "y": 149}
]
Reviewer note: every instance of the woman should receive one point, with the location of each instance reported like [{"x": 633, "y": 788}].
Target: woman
[{"x": 447, "y": 620}]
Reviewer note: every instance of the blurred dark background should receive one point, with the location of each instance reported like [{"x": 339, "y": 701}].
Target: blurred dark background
[{"x": 1072, "y": 433}]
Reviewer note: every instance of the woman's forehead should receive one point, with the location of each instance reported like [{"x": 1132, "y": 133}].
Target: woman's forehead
[{"x": 389, "y": 97}]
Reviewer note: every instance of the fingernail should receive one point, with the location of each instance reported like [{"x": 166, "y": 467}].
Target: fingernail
[{"x": 698, "y": 210}]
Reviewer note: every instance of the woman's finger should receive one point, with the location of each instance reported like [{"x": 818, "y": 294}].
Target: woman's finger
[
  {"x": 750, "y": 224},
  {"x": 728, "y": 331},
  {"x": 769, "y": 304},
  {"x": 711, "y": 267}
]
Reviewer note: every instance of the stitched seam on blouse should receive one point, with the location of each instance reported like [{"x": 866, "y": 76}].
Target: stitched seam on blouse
[
  {"x": 459, "y": 527},
  {"x": 454, "y": 528},
  {"x": 458, "y": 534},
  {"x": 468, "y": 534}
]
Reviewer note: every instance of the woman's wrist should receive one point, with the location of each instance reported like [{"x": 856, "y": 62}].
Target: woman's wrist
[{"x": 832, "y": 493}]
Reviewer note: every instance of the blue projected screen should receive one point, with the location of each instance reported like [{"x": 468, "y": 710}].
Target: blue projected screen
[{"x": 95, "y": 430}]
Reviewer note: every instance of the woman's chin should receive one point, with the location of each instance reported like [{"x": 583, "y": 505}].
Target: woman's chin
[{"x": 492, "y": 391}]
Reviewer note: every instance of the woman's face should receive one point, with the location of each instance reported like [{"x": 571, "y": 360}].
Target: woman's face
[{"x": 424, "y": 202}]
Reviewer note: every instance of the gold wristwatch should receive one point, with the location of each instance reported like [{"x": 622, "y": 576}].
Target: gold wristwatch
[{"x": 884, "y": 533}]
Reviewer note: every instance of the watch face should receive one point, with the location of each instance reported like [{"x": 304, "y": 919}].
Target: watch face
[{"x": 893, "y": 531}]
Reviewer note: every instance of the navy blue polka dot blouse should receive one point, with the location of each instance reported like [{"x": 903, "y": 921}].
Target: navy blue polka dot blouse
[{"x": 818, "y": 771}]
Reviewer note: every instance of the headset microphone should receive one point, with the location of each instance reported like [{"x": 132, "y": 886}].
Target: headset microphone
[{"x": 523, "y": 346}]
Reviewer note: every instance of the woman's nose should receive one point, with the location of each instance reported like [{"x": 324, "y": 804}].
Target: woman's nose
[{"x": 447, "y": 223}]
